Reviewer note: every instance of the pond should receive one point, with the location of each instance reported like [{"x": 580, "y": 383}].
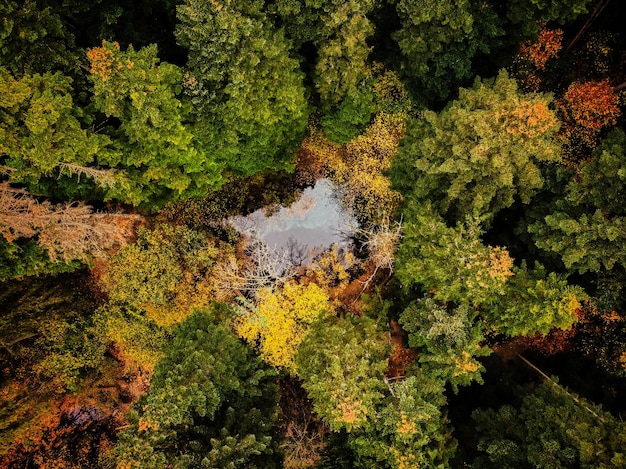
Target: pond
[{"x": 310, "y": 225}]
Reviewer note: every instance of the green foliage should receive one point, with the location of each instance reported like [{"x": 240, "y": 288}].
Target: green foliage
[
  {"x": 587, "y": 228},
  {"x": 40, "y": 128},
  {"x": 439, "y": 40},
  {"x": 535, "y": 301},
  {"x": 339, "y": 31},
  {"x": 158, "y": 153},
  {"x": 341, "y": 363},
  {"x": 527, "y": 13},
  {"x": 350, "y": 117},
  {"x": 481, "y": 152},
  {"x": 47, "y": 332},
  {"x": 409, "y": 431},
  {"x": 451, "y": 263},
  {"x": 550, "y": 429},
  {"x": 449, "y": 338},
  {"x": 248, "y": 94},
  {"x": 166, "y": 273},
  {"x": 33, "y": 39},
  {"x": 211, "y": 404},
  {"x": 23, "y": 258},
  {"x": 137, "y": 341}
]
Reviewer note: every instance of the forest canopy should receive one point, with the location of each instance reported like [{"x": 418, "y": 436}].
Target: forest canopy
[{"x": 470, "y": 315}]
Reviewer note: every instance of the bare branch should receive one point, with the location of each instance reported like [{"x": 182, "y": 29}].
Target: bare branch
[
  {"x": 102, "y": 177},
  {"x": 67, "y": 231}
]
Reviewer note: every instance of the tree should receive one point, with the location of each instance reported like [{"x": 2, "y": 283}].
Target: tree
[
  {"x": 157, "y": 151},
  {"x": 481, "y": 152},
  {"x": 450, "y": 340},
  {"x": 281, "y": 319},
  {"x": 211, "y": 404},
  {"x": 439, "y": 40},
  {"x": 451, "y": 263},
  {"x": 247, "y": 92},
  {"x": 339, "y": 31},
  {"x": 409, "y": 430},
  {"x": 552, "y": 428},
  {"x": 167, "y": 273},
  {"x": 33, "y": 39},
  {"x": 527, "y": 13},
  {"x": 585, "y": 110},
  {"x": 41, "y": 132},
  {"x": 535, "y": 301},
  {"x": 341, "y": 364},
  {"x": 587, "y": 228},
  {"x": 65, "y": 231}
]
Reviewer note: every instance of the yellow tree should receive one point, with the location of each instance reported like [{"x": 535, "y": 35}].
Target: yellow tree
[{"x": 281, "y": 319}]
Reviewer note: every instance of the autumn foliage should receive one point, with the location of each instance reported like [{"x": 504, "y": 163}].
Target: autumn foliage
[
  {"x": 586, "y": 109},
  {"x": 547, "y": 46}
]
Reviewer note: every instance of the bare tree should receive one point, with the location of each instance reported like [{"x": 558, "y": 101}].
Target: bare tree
[
  {"x": 264, "y": 267},
  {"x": 381, "y": 242},
  {"x": 66, "y": 231}
]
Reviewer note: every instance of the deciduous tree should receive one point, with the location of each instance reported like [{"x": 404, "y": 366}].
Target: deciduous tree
[{"x": 280, "y": 320}]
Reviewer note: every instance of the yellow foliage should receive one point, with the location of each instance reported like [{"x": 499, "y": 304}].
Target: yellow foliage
[
  {"x": 357, "y": 167},
  {"x": 406, "y": 426},
  {"x": 281, "y": 320},
  {"x": 465, "y": 364},
  {"x": 331, "y": 268},
  {"x": 349, "y": 411},
  {"x": 568, "y": 306}
]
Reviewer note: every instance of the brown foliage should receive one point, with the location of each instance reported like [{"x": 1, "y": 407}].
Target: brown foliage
[
  {"x": 586, "y": 109},
  {"x": 547, "y": 45},
  {"x": 66, "y": 231}
]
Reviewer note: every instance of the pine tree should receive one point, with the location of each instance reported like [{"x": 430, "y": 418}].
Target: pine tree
[{"x": 211, "y": 404}]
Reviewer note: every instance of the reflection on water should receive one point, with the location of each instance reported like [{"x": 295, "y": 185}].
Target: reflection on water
[{"x": 311, "y": 224}]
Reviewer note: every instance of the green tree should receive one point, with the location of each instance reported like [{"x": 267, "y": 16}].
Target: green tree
[
  {"x": 535, "y": 301},
  {"x": 167, "y": 273},
  {"x": 587, "y": 227},
  {"x": 439, "y": 40},
  {"x": 409, "y": 430},
  {"x": 550, "y": 429},
  {"x": 339, "y": 31},
  {"x": 451, "y": 263},
  {"x": 157, "y": 152},
  {"x": 248, "y": 93},
  {"x": 450, "y": 340},
  {"x": 526, "y": 14},
  {"x": 33, "y": 39},
  {"x": 211, "y": 404},
  {"x": 41, "y": 131},
  {"x": 481, "y": 152},
  {"x": 341, "y": 364}
]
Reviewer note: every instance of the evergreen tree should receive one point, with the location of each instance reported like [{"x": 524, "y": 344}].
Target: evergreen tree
[
  {"x": 247, "y": 91},
  {"x": 587, "y": 227},
  {"x": 341, "y": 363},
  {"x": 158, "y": 153},
  {"x": 339, "y": 31},
  {"x": 439, "y": 40},
  {"x": 211, "y": 404},
  {"x": 481, "y": 152},
  {"x": 551, "y": 429}
]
